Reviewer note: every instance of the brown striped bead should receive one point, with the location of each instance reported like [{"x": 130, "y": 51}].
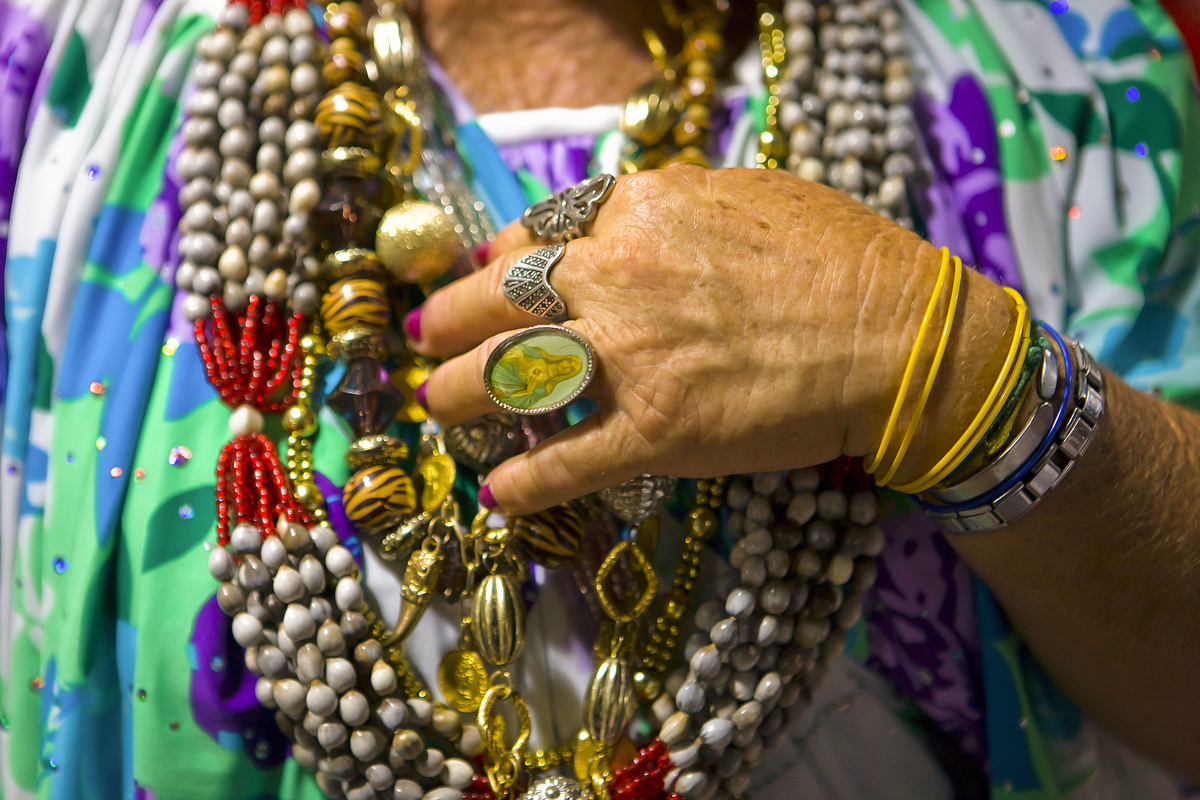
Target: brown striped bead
[
  {"x": 551, "y": 537},
  {"x": 377, "y": 498},
  {"x": 350, "y": 116},
  {"x": 358, "y": 303}
]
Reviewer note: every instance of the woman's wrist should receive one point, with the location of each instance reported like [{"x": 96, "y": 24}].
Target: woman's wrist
[{"x": 979, "y": 342}]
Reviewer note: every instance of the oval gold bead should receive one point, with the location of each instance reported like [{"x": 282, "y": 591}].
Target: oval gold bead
[
  {"x": 498, "y": 619},
  {"x": 609, "y": 703}
]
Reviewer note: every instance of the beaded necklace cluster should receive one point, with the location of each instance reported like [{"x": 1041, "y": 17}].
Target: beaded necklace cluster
[{"x": 351, "y": 212}]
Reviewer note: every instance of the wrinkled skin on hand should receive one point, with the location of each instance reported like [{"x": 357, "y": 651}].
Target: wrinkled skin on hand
[{"x": 743, "y": 320}]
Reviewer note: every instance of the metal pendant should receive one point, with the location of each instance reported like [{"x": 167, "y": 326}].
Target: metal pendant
[
  {"x": 463, "y": 679},
  {"x": 498, "y": 619},
  {"x": 610, "y": 700},
  {"x": 555, "y": 788},
  {"x": 485, "y": 442},
  {"x": 635, "y": 501},
  {"x": 416, "y": 590}
]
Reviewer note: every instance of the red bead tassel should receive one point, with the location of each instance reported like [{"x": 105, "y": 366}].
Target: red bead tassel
[
  {"x": 644, "y": 777},
  {"x": 254, "y": 361},
  {"x": 250, "y": 472}
]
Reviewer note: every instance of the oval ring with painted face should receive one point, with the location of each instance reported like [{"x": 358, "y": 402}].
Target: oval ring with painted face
[{"x": 539, "y": 370}]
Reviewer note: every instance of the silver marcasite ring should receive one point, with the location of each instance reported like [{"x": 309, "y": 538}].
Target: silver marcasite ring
[{"x": 527, "y": 284}]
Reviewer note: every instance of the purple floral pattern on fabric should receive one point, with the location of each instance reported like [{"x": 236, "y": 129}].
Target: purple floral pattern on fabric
[
  {"x": 922, "y": 632},
  {"x": 23, "y": 48},
  {"x": 222, "y": 692},
  {"x": 558, "y": 163},
  {"x": 961, "y": 138}
]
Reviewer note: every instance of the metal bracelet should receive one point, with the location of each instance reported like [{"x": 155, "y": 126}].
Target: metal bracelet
[
  {"x": 1084, "y": 397},
  {"x": 1039, "y": 417}
]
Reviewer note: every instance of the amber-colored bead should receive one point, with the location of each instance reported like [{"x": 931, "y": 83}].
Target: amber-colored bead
[
  {"x": 345, "y": 19},
  {"x": 703, "y": 44},
  {"x": 344, "y": 63},
  {"x": 355, "y": 303},
  {"x": 376, "y": 498}
]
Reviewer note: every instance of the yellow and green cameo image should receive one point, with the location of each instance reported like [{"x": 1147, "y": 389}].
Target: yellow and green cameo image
[{"x": 539, "y": 369}]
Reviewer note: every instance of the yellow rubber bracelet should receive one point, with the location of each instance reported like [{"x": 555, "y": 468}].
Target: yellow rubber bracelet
[
  {"x": 927, "y": 389},
  {"x": 911, "y": 367},
  {"x": 1003, "y": 387}
]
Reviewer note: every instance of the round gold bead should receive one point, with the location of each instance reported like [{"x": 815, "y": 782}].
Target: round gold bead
[
  {"x": 417, "y": 241},
  {"x": 300, "y": 420}
]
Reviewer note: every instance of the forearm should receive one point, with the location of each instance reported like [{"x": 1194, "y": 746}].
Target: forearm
[{"x": 1100, "y": 578}]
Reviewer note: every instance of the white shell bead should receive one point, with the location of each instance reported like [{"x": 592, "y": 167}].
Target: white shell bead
[
  {"x": 674, "y": 728},
  {"x": 444, "y": 793},
  {"x": 220, "y": 564},
  {"x": 290, "y": 694},
  {"x": 471, "y": 741},
  {"x": 383, "y": 678},
  {"x": 247, "y": 629},
  {"x": 348, "y": 594},
  {"x": 245, "y": 419},
  {"x": 429, "y": 763},
  {"x": 457, "y": 773},
  {"x": 339, "y": 674},
  {"x": 273, "y": 554},
  {"x": 769, "y": 687},
  {"x": 365, "y": 744},
  {"x": 392, "y": 713},
  {"x": 321, "y": 700},
  {"x": 684, "y": 755},
  {"x": 244, "y": 538},
  {"x": 739, "y": 603},
  {"x": 692, "y": 785},
  {"x": 264, "y": 691},
  {"x": 331, "y": 735},
  {"x": 298, "y": 622},
  {"x": 407, "y": 790},
  {"x": 706, "y": 662},
  {"x": 353, "y": 708},
  {"x": 339, "y": 561},
  {"x": 716, "y": 733},
  {"x": 323, "y": 538},
  {"x": 288, "y": 586},
  {"x": 312, "y": 573},
  {"x": 748, "y": 715},
  {"x": 309, "y": 663}
]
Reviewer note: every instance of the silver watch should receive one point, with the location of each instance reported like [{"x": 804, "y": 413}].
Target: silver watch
[{"x": 950, "y": 507}]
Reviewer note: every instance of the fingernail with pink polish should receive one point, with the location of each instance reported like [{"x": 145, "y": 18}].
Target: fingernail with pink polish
[
  {"x": 482, "y": 252},
  {"x": 419, "y": 396},
  {"x": 412, "y": 324},
  {"x": 485, "y": 497}
]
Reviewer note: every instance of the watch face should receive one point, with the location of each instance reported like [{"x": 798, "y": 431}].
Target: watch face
[{"x": 539, "y": 369}]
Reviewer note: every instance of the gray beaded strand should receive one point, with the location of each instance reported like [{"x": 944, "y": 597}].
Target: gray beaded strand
[
  {"x": 803, "y": 556},
  {"x": 845, "y": 93},
  {"x": 246, "y": 228}
]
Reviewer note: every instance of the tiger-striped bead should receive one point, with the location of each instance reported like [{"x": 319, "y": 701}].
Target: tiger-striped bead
[
  {"x": 550, "y": 537},
  {"x": 377, "y": 498},
  {"x": 350, "y": 116},
  {"x": 358, "y": 303}
]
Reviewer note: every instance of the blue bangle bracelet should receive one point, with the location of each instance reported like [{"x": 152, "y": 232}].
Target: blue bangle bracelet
[{"x": 1036, "y": 456}]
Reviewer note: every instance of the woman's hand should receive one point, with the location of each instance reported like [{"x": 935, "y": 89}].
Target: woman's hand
[{"x": 743, "y": 320}]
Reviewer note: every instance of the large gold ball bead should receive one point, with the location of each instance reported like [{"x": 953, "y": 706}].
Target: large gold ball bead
[
  {"x": 307, "y": 493},
  {"x": 300, "y": 420},
  {"x": 417, "y": 241},
  {"x": 358, "y": 303},
  {"x": 376, "y": 498}
]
